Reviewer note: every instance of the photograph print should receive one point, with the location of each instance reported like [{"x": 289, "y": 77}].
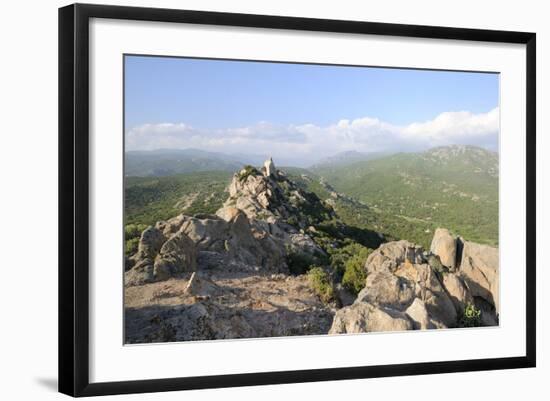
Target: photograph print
[{"x": 270, "y": 199}]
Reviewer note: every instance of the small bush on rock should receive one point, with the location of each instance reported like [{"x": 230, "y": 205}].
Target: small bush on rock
[
  {"x": 320, "y": 282},
  {"x": 133, "y": 230},
  {"x": 293, "y": 221},
  {"x": 132, "y": 233},
  {"x": 131, "y": 246},
  {"x": 471, "y": 317}
]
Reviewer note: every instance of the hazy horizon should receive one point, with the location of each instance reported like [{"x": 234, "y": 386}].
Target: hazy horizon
[{"x": 258, "y": 159}]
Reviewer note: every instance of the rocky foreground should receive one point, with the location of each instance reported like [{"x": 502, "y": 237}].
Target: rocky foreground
[
  {"x": 408, "y": 288},
  {"x": 228, "y": 275}
]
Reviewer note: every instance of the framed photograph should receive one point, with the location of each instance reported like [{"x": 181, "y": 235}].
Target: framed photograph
[{"x": 252, "y": 199}]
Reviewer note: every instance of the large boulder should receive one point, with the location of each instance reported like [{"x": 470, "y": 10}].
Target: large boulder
[
  {"x": 251, "y": 246},
  {"x": 444, "y": 245},
  {"x": 420, "y": 316},
  {"x": 207, "y": 233},
  {"x": 430, "y": 290},
  {"x": 150, "y": 242},
  {"x": 171, "y": 226},
  {"x": 397, "y": 274},
  {"x": 201, "y": 287},
  {"x": 231, "y": 238},
  {"x": 304, "y": 243},
  {"x": 362, "y": 317},
  {"x": 386, "y": 289},
  {"x": 228, "y": 213},
  {"x": 458, "y": 292},
  {"x": 177, "y": 255},
  {"x": 389, "y": 256},
  {"x": 141, "y": 265},
  {"x": 142, "y": 272},
  {"x": 480, "y": 271}
]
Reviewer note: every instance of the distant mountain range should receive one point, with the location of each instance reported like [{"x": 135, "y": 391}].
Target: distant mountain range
[{"x": 165, "y": 162}]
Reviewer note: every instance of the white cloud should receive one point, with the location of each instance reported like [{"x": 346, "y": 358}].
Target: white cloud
[
  {"x": 309, "y": 142},
  {"x": 459, "y": 125}
]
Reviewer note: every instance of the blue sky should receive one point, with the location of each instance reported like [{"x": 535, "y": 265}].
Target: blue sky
[{"x": 240, "y": 105}]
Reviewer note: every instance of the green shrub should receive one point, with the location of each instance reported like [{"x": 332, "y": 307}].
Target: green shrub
[
  {"x": 339, "y": 257},
  {"x": 131, "y": 246},
  {"x": 247, "y": 171},
  {"x": 354, "y": 271},
  {"x": 298, "y": 262},
  {"x": 293, "y": 221},
  {"x": 320, "y": 282},
  {"x": 132, "y": 234},
  {"x": 133, "y": 230},
  {"x": 471, "y": 317}
]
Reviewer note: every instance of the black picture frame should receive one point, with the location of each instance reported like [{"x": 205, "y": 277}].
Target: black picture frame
[{"x": 74, "y": 198}]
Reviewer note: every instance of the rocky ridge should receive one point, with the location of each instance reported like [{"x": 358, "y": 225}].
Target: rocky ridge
[
  {"x": 226, "y": 275},
  {"x": 262, "y": 221}
]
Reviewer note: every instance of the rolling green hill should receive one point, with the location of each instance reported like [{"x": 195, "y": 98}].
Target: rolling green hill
[
  {"x": 150, "y": 199},
  {"x": 454, "y": 187}
]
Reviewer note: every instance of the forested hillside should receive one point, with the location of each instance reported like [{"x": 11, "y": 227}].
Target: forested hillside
[
  {"x": 409, "y": 194},
  {"x": 150, "y": 199}
]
